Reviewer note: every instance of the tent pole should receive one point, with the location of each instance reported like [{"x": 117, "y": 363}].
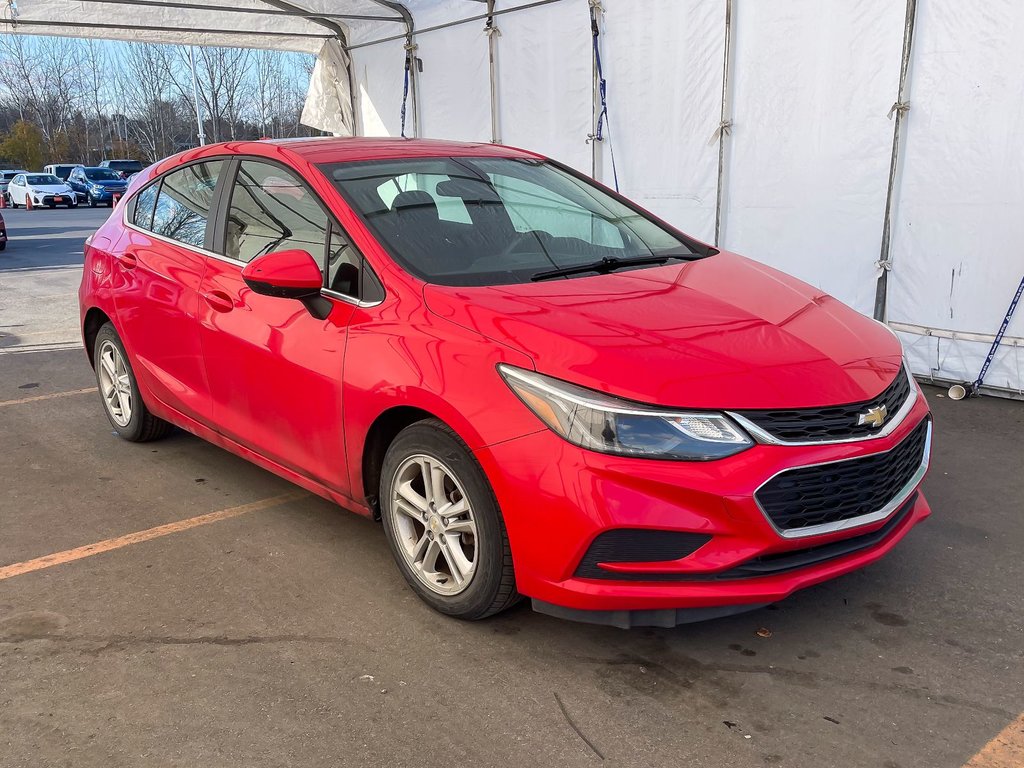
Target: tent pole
[
  {"x": 195, "y": 94},
  {"x": 449, "y": 24},
  {"x": 492, "y": 52},
  {"x": 725, "y": 121},
  {"x": 899, "y": 109},
  {"x": 595, "y": 78}
]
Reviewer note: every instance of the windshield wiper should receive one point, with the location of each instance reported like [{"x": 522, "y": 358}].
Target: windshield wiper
[{"x": 610, "y": 264}]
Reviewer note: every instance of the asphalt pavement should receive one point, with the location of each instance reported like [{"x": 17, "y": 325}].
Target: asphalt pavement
[{"x": 136, "y": 630}]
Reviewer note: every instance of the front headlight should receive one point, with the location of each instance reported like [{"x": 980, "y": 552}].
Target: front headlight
[{"x": 603, "y": 423}]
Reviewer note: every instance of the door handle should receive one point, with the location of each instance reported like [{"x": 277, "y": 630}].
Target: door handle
[
  {"x": 219, "y": 301},
  {"x": 128, "y": 260}
]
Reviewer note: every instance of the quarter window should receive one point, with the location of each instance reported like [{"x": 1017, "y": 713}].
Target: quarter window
[
  {"x": 144, "y": 205},
  {"x": 182, "y": 208}
]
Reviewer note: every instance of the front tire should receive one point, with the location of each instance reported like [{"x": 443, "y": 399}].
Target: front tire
[
  {"x": 443, "y": 524},
  {"x": 92, "y": 202},
  {"x": 119, "y": 391}
]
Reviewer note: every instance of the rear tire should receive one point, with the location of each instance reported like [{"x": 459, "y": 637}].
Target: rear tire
[
  {"x": 448, "y": 540},
  {"x": 119, "y": 391}
]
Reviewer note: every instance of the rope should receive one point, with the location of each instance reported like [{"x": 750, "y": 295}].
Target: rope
[
  {"x": 602, "y": 89},
  {"x": 900, "y": 106},
  {"x": 724, "y": 129},
  {"x": 410, "y": 57}
]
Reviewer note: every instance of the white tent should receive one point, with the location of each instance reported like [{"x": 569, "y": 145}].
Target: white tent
[{"x": 873, "y": 148}]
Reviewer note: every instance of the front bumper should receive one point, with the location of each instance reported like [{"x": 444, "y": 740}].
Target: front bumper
[
  {"x": 556, "y": 499},
  {"x": 65, "y": 199},
  {"x": 105, "y": 195}
]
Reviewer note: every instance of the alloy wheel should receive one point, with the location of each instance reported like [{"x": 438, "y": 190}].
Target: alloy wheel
[
  {"x": 435, "y": 525},
  {"x": 115, "y": 384}
]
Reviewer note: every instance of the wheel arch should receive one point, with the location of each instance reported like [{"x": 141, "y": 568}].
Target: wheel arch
[
  {"x": 95, "y": 318},
  {"x": 382, "y": 432}
]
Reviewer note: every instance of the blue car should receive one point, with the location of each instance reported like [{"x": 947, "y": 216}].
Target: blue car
[{"x": 96, "y": 185}]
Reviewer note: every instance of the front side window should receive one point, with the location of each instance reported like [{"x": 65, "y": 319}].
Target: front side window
[
  {"x": 182, "y": 208},
  {"x": 271, "y": 210},
  {"x": 490, "y": 221}
]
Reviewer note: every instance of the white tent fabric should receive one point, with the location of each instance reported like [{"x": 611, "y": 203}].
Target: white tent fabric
[{"x": 805, "y": 153}]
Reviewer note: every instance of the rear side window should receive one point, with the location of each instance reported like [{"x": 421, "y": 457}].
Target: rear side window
[
  {"x": 182, "y": 208},
  {"x": 271, "y": 210}
]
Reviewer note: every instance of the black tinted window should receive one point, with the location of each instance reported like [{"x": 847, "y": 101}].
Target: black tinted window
[
  {"x": 483, "y": 221},
  {"x": 101, "y": 174},
  {"x": 183, "y": 203}
]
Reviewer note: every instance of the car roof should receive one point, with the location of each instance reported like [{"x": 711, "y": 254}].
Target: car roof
[{"x": 330, "y": 149}]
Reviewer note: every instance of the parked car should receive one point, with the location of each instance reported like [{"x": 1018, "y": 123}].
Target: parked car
[
  {"x": 123, "y": 167},
  {"x": 539, "y": 388},
  {"x": 44, "y": 188},
  {"x": 5, "y": 179},
  {"x": 96, "y": 185},
  {"x": 61, "y": 171},
  {"x": 3, "y": 233}
]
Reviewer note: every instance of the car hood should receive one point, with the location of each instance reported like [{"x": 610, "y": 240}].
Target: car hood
[
  {"x": 721, "y": 332},
  {"x": 108, "y": 183},
  {"x": 50, "y": 188}
]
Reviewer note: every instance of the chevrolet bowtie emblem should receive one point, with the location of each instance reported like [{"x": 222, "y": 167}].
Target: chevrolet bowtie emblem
[{"x": 873, "y": 417}]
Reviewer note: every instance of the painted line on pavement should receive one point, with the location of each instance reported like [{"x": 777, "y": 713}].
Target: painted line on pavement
[
  {"x": 50, "y": 396},
  {"x": 70, "y": 555},
  {"x": 1006, "y": 750}
]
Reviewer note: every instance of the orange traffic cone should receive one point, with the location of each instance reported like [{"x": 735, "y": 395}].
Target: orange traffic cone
[
  {"x": 28, "y": 202},
  {"x": 3, "y": 200}
]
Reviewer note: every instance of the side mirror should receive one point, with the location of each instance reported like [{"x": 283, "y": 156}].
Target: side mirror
[{"x": 289, "y": 274}]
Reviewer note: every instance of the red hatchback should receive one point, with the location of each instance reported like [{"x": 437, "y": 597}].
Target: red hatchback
[{"x": 539, "y": 388}]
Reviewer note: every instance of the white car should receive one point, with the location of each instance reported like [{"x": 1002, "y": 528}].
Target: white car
[{"x": 44, "y": 189}]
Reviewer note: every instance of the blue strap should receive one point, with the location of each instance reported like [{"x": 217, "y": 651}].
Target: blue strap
[
  {"x": 998, "y": 339},
  {"x": 405, "y": 89},
  {"x": 602, "y": 89}
]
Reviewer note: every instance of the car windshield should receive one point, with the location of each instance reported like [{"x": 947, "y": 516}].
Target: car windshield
[
  {"x": 492, "y": 221},
  {"x": 43, "y": 180},
  {"x": 125, "y": 165},
  {"x": 8, "y": 175},
  {"x": 101, "y": 174}
]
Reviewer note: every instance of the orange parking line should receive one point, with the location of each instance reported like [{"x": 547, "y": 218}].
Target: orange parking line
[
  {"x": 1004, "y": 751},
  {"x": 52, "y": 395},
  {"x": 69, "y": 555}
]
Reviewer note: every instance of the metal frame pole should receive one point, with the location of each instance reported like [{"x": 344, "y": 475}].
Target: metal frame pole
[
  {"x": 195, "y": 94},
  {"x": 900, "y": 109}
]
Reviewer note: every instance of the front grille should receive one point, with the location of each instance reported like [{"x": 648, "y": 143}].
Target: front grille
[
  {"x": 831, "y": 493},
  {"x": 831, "y": 423},
  {"x": 636, "y": 545}
]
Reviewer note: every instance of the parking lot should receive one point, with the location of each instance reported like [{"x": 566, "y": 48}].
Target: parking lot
[{"x": 169, "y": 604}]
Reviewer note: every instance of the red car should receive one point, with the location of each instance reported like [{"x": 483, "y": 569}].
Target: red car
[{"x": 539, "y": 388}]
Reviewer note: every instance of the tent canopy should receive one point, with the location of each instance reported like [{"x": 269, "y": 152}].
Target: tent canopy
[{"x": 871, "y": 149}]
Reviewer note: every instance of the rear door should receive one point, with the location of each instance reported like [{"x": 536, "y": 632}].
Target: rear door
[
  {"x": 160, "y": 265},
  {"x": 275, "y": 370}
]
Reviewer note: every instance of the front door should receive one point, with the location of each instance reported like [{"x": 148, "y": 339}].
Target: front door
[{"x": 275, "y": 369}]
